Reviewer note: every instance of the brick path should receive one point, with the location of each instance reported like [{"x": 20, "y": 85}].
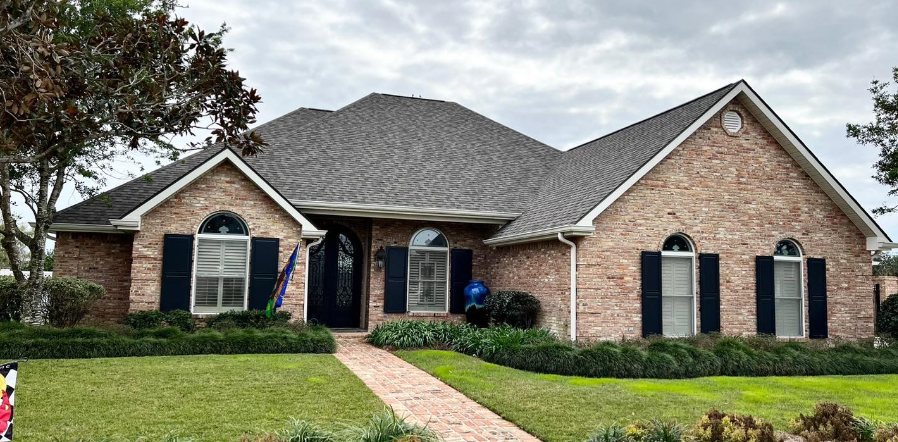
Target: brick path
[{"x": 419, "y": 396}]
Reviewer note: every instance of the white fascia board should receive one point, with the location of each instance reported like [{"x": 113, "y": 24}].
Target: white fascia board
[
  {"x": 83, "y": 228},
  {"x": 131, "y": 220},
  {"x": 790, "y": 143},
  {"x": 403, "y": 212},
  {"x": 540, "y": 235}
]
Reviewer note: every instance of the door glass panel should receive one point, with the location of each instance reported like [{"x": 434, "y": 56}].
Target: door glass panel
[
  {"x": 345, "y": 272},
  {"x": 316, "y": 277}
]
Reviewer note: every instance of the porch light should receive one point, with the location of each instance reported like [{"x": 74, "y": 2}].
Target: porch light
[{"x": 380, "y": 257}]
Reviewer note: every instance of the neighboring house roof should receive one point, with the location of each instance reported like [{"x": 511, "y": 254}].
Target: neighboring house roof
[{"x": 402, "y": 157}]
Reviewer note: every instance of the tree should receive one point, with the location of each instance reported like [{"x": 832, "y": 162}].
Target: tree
[
  {"x": 88, "y": 82},
  {"x": 882, "y": 133},
  {"x": 887, "y": 265}
]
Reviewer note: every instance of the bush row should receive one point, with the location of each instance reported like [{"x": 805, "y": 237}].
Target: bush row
[
  {"x": 20, "y": 341},
  {"x": 829, "y": 422},
  {"x": 184, "y": 320},
  {"x": 539, "y": 351}
]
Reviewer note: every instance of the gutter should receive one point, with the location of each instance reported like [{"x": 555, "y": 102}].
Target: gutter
[
  {"x": 305, "y": 289},
  {"x": 573, "y": 284}
]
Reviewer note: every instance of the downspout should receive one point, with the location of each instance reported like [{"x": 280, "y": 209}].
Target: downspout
[
  {"x": 573, "y": 284},
  {"x": 305, "y": 295}
]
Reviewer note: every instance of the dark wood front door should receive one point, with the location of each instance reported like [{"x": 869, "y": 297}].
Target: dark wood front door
[{"x": 335, "y": 280}]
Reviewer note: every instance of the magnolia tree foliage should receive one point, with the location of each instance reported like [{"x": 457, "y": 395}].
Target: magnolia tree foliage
[
  {"x": 85, "y": 83},
  {"x": 883, "y": 134}
]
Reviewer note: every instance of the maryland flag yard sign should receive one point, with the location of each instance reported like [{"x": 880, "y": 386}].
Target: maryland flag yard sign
[{"x": 8, "y": 374}]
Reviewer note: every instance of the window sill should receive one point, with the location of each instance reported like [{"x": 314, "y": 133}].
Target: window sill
[{"x": 429, "y": 314}]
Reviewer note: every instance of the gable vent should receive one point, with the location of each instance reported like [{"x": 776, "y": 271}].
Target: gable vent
[{"x": 732, "y": 121}]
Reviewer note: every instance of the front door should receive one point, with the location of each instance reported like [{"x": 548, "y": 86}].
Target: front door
[{"x": 335, "y": 280}]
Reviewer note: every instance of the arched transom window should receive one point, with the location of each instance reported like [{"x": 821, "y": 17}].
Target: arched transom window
[
  {"x": 221, "y": 264},
  {"x": 788, "y": 279},
  {"x": 428, "y": 272},
  {"x": 678, "y": 286}
]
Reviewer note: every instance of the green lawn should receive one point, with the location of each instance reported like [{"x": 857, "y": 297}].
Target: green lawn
[
  {"x": 561, "y": 408},
  {"x": 212, "y": 398}
]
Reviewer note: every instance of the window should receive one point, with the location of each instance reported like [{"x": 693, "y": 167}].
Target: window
[
  {"x": 428, "y": 272},
  {"x": 678, "y": 287},
  {"x": 221, "y": 264},
  {"x": 788, "y": 281}
]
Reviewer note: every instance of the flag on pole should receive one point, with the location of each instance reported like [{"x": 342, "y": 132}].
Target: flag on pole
[
  {"x": 8, "y": 374},
  {"x": 280, "y": 289}
]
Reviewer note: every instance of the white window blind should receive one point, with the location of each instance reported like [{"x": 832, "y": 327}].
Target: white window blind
[
  {"x": 428, "y": 280},
  {"x": 787, "y": 291},
  {"x": 220, "y": 275},
  {"x": 677, "y": 296}
]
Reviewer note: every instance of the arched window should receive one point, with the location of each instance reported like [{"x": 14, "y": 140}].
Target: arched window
[
  {"x": 428, "y": 272},
  {"x": 221, "y": 264},
  {"x": 678, "y": 286},
  {"x": 788, "y": 279}
]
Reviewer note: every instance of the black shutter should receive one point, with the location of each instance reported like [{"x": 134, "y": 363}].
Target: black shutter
[
  {"x": 263, "y": 271},
  {"x": 765, "y": 295},
  {"x": 461, "y": 262},
  {"x": 651, "y": 293},
  {"x": 709, "y": 291},
  {"x": 396, "y": 274},
  {"x": 817, "y": 316},
  {"x": 177, "y": 268}
]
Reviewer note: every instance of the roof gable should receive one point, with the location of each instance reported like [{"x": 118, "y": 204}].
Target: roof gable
[{"x": 622, "y": 157}]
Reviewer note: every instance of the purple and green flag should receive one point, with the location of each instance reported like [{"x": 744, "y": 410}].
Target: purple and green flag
[{"x": 280, "y": 289}]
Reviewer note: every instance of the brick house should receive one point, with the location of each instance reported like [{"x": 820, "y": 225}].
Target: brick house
[{"x": 709, "y": 217}]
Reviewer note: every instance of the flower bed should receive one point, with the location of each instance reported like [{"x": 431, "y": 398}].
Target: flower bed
[{"x": 539, "y": 351}]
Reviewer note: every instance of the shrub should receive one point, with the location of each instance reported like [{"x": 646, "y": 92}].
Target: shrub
[
  {"x": 716, "y": 426},
  {"x": 666, "y": 358},
  {"x": 886, "y": 433},
  {"x": 517, "y": 309},
  {"x": 20, "y": 341},
  {"x": 249, "y": 319},
  {"x": 830, "y": 422},
  {"x": 10, "y": 299},
  {"x": 388, "y": 427},
  {"x": 70, "y": 299},
  {"x": 145, "y": 319},
  {"x": 610, "y": 433},
  {"x": 181, "y": 319},
  {"x": 887, "y": 319}
]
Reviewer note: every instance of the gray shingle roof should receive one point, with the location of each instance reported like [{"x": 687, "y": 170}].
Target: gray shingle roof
[
  {"x": 116, "y": 202},
  {"x": 410, "y": 152},
  {"x": 383, "y": 150},
  {"x": 587, "y": 174}
]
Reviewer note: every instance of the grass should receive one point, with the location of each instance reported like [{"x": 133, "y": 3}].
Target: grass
[
  {"x": 564, "y": 408},
  {"x": 211, "y": 398}
]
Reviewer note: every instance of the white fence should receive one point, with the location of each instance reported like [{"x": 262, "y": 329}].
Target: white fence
[{"x": 8, "y": 272}]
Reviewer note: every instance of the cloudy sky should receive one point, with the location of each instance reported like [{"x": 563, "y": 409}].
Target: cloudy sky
[{"x": 568, "y": 72}]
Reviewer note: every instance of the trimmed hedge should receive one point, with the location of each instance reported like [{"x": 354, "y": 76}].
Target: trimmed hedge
[
  {"x": 21, "y": 341},
  {"x": 887, "y": 319},
  {"x": 539, "y": 351}
]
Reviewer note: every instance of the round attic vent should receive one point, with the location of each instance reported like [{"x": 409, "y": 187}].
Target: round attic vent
[{"x": 732, "y": 121}]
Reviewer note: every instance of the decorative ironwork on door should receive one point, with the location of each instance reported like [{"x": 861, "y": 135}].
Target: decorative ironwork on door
[{"x": 335, "y": 279}]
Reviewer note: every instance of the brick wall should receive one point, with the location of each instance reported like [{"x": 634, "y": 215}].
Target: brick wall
[
  {"x": 541, "y": 269},
  {"x": 385, "y": 233},
  {"x": 888, "y": 285},
  {"x": 223, "y": 188},
  {"x": 104, "y": 258},
  {"x": 732, "y": 195}
]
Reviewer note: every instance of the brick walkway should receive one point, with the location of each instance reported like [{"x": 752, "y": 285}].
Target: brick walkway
[{"x": 419, "y": 396}]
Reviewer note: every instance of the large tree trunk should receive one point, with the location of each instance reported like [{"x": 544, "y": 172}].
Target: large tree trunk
[{"x": 49, "y": 187}]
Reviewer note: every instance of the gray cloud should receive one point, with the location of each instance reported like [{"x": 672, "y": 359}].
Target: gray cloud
[{"x": 567, "y": 72}]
